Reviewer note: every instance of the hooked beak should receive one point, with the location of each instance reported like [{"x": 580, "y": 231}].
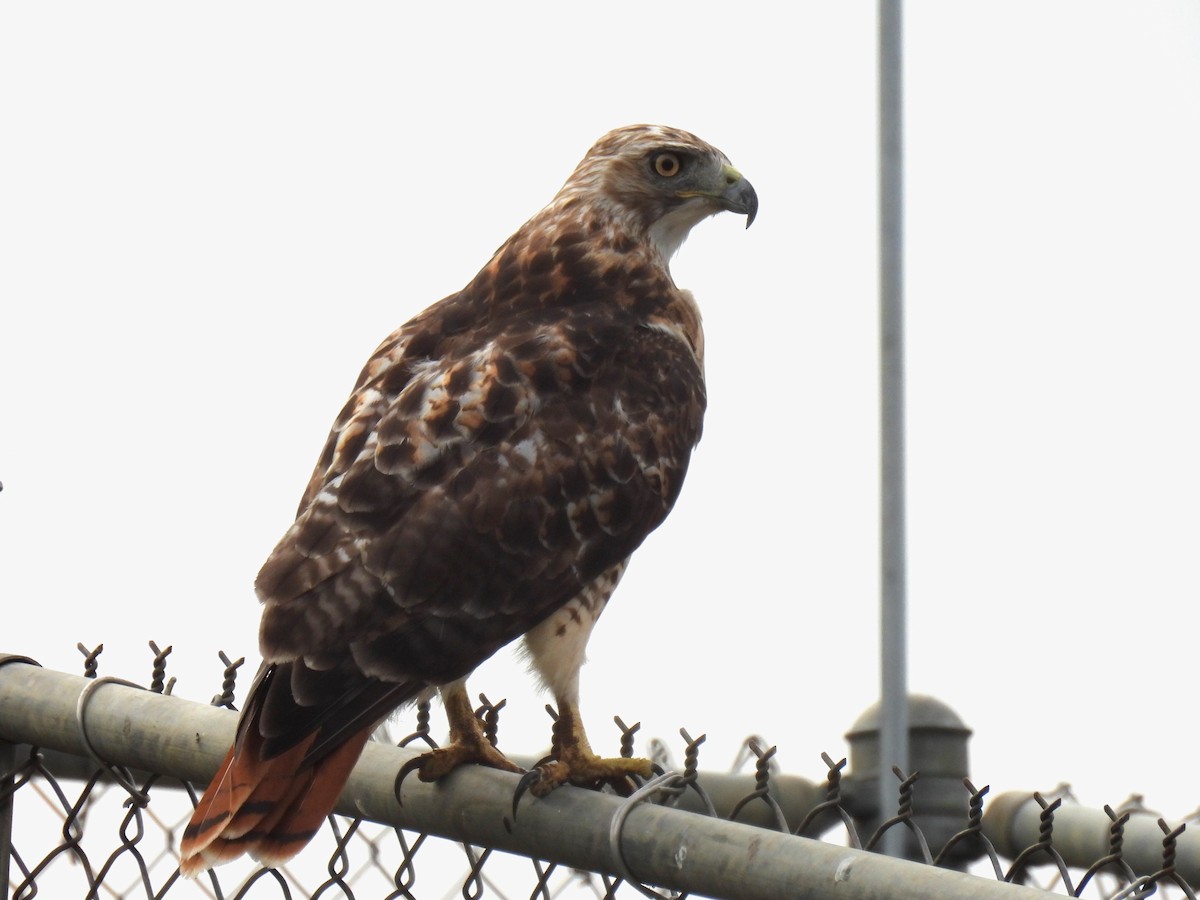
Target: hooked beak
[
  {"x": 732, "y": 192},
  {"x": 739, "y": 195}
]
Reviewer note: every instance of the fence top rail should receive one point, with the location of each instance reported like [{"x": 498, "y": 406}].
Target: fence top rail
[{"x": 124, "y": 726}]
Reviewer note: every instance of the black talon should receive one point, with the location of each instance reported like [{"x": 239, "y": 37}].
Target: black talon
[
  {"x": 413, "y": 765},
  {"x": 528, "y": 780},
  {"x": 624, "y": 786}
]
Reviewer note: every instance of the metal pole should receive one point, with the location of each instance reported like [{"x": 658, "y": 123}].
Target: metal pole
[
  {"x": 8, "y": 781},
  {"x": 894, "y": 688}
]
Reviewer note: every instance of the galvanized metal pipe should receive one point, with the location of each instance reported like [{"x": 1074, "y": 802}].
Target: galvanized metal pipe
[
  {"x": 893, "y": 577},
  {"x": 1082, "y": 835},
  {"x": 8, "y": 760},
  {"x": 657, "y": 845},
  {"x": 794, "y": 796}
]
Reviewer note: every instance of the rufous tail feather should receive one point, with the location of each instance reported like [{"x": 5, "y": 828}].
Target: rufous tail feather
[{"x": 268, "y": 808}]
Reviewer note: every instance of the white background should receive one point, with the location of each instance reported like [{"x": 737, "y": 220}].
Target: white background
[{"x": 211, "y": 213}]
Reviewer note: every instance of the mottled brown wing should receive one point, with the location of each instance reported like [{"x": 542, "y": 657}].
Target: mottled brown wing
[{"x": 476, "y": 481}]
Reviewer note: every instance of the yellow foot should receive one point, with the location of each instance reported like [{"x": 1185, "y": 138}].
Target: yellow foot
[
  {"x": 589, "y": 770},
  {"x": 468, "y": 744},
  {"x": 572, "y": 761},
  {"x": 437, "y": 764}
]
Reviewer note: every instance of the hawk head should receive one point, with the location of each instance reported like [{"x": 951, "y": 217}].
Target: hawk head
[{"x": 657, "y": 182}]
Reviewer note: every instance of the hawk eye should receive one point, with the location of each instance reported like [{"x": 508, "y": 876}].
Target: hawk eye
[{"x": 667, "y": 164}]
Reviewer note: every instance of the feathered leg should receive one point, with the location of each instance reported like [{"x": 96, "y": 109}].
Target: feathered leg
[{"x": 556, "y": 649}]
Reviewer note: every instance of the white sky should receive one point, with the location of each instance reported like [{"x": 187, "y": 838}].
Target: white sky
[{"x": 210, "y": 214}]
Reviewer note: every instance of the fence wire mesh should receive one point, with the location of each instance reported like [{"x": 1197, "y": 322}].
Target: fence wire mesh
[{"x": 74, "y": 824}]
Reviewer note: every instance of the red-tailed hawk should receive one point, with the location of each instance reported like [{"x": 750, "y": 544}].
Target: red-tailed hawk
[{"x": 500, "y": 458}]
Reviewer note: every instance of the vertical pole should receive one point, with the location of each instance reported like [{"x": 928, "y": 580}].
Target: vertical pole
[
  {"x": 894, "y": 688},
  {"x": 8, "y": 797}
]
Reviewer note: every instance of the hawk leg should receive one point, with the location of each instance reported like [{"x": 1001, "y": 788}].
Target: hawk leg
[
  {"x": 574, "y": 762},
  {"x": 468, "y": 743}
]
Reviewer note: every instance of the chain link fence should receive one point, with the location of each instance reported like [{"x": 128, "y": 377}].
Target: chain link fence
[{"x": 98, "y": 778}]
